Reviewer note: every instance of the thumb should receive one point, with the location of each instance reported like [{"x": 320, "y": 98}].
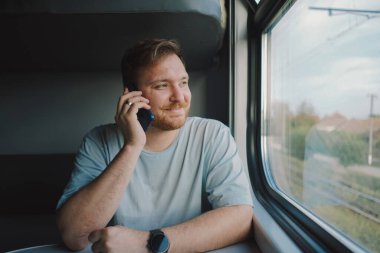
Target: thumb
[{"x": 94, "y": 236}]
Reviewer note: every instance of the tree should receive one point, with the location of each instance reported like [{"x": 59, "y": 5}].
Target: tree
[{"x": 298, "y": 127}]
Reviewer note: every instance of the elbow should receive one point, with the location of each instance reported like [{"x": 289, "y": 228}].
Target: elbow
[
  {"x": 74, "y": 243},
  {"x": 72, "y": 240},
  {"x": 71, "y": 236},
  {"x": 246, "y": 214}
]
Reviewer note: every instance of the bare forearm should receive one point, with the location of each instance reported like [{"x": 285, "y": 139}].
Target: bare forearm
[
  {"x": 93, "y": 206},
  {"x": 212, "y": 230}
]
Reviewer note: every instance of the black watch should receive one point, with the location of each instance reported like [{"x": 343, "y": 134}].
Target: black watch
[{"x": 158, "y": 242}]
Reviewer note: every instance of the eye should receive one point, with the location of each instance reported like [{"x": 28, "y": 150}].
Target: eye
[
  {"x": 161, "y": 86},
  {"x": 184, "y": 83}
]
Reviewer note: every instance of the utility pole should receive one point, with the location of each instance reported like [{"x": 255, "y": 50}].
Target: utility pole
[{"x": 372, "y": 98}]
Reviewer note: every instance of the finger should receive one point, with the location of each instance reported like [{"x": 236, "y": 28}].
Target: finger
[
  {"x": 120, "y": 104},
  {"x": 140, "y": 101},
  {"x": 134, "y": 108},
  {"x": 123, "y": 98},
  {"x": 95, "y": 236},
  {"x": 97, "y": 247},
  {"x": 125, "y": 109},
  {"x": 136, "y": 99}
]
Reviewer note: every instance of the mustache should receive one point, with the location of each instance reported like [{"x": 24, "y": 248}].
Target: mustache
[{"x": 175, "y": 106}]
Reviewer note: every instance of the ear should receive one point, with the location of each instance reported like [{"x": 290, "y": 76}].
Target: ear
[
  {"x": 129, "y": 86},
  {"x": 132, "y": 87}
]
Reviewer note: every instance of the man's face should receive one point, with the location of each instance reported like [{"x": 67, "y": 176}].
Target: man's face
[{"x": 166, "y": 84}]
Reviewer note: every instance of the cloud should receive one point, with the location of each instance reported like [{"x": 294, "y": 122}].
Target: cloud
[{"x": 329, "y": 61}]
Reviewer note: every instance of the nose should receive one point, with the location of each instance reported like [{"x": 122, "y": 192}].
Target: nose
[{"x": 177, "y": 94}]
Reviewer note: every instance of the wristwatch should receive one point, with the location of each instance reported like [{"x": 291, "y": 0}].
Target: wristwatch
[{"x": 158, "y": 242}]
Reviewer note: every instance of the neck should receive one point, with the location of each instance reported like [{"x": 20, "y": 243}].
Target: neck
[{"x": 158, "y": 140}]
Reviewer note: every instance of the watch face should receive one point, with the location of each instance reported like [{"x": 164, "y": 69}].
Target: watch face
[{"x": 159, "y": 243}]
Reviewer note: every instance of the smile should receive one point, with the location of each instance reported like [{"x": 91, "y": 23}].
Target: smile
[{"x": 175, "y": 110}]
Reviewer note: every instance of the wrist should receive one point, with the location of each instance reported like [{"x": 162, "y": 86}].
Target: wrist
[{"x": 132, "y": 147}]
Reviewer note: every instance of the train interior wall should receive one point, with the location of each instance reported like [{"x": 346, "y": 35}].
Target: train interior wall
[
  {"x": 44, "y": 116},
  {"x": 60, "y": 77}
]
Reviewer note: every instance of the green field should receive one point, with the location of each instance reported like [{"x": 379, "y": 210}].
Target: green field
[
  {"x": 360, "y": 229},
  {"x": 353, "y": 225}
]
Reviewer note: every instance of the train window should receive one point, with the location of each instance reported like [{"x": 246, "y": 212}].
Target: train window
[{"x": 321, "y": 113}]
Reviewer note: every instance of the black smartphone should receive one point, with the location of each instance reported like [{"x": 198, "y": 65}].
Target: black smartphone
[{"x": 144, "y": 116}]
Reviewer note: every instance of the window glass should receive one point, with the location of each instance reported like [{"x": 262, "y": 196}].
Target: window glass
[{"x": 321, "y": 118}]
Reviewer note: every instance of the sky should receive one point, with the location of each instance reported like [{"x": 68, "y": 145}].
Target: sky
[{"x": 330, "y": 61}]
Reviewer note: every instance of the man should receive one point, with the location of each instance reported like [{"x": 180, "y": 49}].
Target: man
[{"x": 154, "y": 184}]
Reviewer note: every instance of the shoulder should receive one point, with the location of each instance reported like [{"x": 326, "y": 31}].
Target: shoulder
[
  {"x": 203, "y": 128},
  {"x": 102, "y": 142},
  {"x": 103, "y": 133},
  {"x": 206, "y": 124},
  {"x": 101, "y": 129}
]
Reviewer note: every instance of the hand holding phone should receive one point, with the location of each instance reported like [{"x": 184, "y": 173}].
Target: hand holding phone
[{"x": 144, "y": 116}]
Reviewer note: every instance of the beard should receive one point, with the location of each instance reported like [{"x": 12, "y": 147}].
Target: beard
[{"x": 165, "y": 121}]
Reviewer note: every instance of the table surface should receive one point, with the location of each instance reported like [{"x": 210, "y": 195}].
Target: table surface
[{"x": 245, "y": 247}]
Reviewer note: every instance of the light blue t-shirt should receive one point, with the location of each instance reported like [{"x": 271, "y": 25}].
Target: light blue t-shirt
[{"x": 166, "y": 187}]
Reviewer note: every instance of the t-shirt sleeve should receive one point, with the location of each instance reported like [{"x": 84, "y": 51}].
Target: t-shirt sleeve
[
  {"x": 227, "y": 184},
  {"x": 89, "y": 162}
]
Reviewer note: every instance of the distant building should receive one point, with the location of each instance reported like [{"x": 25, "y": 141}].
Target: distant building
[{"x": 339, "y": 122}]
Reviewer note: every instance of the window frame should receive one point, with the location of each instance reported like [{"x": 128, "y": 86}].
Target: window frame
[{"x": 306, "y": 230}]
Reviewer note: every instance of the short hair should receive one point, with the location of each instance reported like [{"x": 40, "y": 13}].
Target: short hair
[{"x": 145, "y": 53}]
